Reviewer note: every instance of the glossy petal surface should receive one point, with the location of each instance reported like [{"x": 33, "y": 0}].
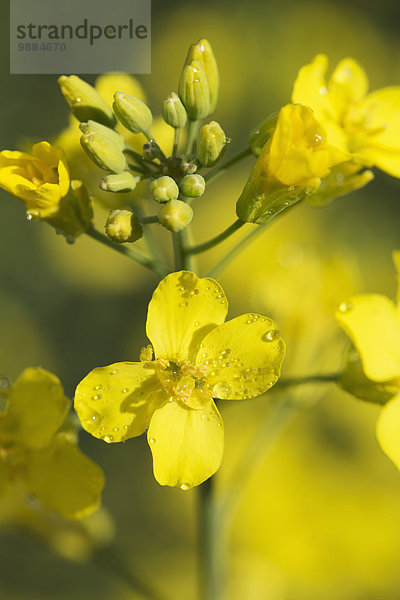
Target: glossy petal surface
[{"x": 388, "y": 430}]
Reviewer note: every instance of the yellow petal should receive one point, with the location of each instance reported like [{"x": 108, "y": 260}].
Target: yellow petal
[
  {"x": 310, "y": 87},
  {"x": 109, "y": 83},
  {"x": 36, "y": 408},
  {"x": 381, "y": 112},
  {"x": 64, "y": 479},
  {"x": 115, "y": 403},
  {"x": 388, "y": 430},
  {"x": 182, "y": 311},
  {"x": 372, "y": 322},
  {"x": 348, "y": 81},
  {"x": 187, "y": 445},
  {"x": 244, "y": 356}
]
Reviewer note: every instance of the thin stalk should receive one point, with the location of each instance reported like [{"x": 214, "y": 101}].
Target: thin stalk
[
  {"x": 209, "y": 568},
  {"x": 108, "y": 559},
  {"x": 177, "y": 133},
  {"x": 193, "y": 128},
  {"x": 217, "y": 239},
  {"x": 145, "y": 163},
  {"x": 235, "y": 159},
  {"x": 182, "y": 259},
  {"x": 154, "y": 265},
  {"x": 149, "y": 220}
]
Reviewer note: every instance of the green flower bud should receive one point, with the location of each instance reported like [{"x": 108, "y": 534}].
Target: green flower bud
[
  {"x": 210, "y": 144},
  {"x": 174, "y": 112},
  {"x": 85, "y": 102},
  {"x": 134, "y": 114},
  {"x": 193, "y": 91},
  {"x": 175, "y": 215},
  {"x": 152, "y": 150},
  {"x": 93, "y": 127},
  {"x": 203, "y": 53},
  {"x": 123, "y": 226},
  {"x": 261, "y": 134},
  {"x": 103, "y": 152},
  {"x": 188, "y": 167},
  {"x": 164, "y": 188},
  {"x": 119, "y": 182},
  {"x": 192, "y": 186}
]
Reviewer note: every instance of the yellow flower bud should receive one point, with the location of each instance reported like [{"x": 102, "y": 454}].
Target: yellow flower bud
[
  {"x": 119, "y": 182},
  {"x": 192, "y": 186},
  {"x": 203, "y": 53},
  {"x": 134, "y": 114},
  {"x": 104, "y": 152},
  {"x": 261, "y": 134},
  {"x": 210, "y": 144},
  {"x": 194, "y": 92},
  {"x": 175, "y": 215},
  {"x": 93, "y": 127},
  {"x": 85, "y": 102},
  {"x": 164, "y": 188},
  {"x": 174, "y": 112},
  {"x": 123, "y": 226}
]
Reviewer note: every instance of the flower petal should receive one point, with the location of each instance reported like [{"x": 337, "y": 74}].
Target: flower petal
[
  {"x": 372, "y": 322},
  {"x": 380, "y": 109},
  {"x": 182, "y": 311},
  {"x": 64, "y": 479},
  {"x": 244, "y": 356},
  {"x": 348, "y": 81},
  {"x": 36, "y": 408},
  {"x": 310, "y": 86},
  {"x": 388, "y": 430},
  {"x": 115, "y": 403},
  {"x": 187, "y": 445}
]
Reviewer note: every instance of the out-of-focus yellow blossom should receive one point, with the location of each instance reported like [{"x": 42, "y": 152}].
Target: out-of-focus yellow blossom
[
  {"x": 372, "y": 321},
  {"x": 366, "y": 125},
  {"x": 39, "y": 450},
  {"x": 41, "y": 181},
  {"x": 290, "y": 165},
  {"x": 197, "y": 357}
]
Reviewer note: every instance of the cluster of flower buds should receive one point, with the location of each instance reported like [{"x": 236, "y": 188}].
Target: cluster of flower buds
[{"x": 174, "y": 181}]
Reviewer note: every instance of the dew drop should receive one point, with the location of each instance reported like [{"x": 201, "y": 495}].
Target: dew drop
[
  {"x": 125, "y": 390},
  {"x": 271, "y": 335},
  {"x": 98, "y": 387},
  {"x": 97, "y": 397},
  {"x": 185, "y": 486},
  {"x": 152, "y": 441},
  {"x": 345, "y": 307}
]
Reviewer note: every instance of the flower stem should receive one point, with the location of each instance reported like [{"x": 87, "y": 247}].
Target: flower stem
[
  {"x": 149, "y": 220},
  {"x": 209, "y": 568},
  {"x": 193, "y": 128},
  {"x": 154, "y": 265},
  {"x": 235, "y": 159},
  {"x": 177, "y": 133},
  {"x": 216, "y": 240}
]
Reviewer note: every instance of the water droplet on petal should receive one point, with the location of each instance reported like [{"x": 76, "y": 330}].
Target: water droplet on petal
[
  {"x": 152, "y": 441},
  {"x": 97, "y": 397},
  {"x": 271, "y": 335},
  {"x": 185, "y": 486},
  {"x": 345, "y": 307}
]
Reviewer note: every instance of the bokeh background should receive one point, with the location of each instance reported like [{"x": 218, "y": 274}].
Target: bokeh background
[{"x": 318, "y": 514}]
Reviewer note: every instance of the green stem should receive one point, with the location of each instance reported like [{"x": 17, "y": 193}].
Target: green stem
[
  {"x": 182, "y": 259},
  {"x": 217, "y": 239},
  {"x": 177, "y": 133},
  {"x": 154, "y": 265},
  {"x": 235, "y": 159},
  {"x": 149, "y": 220},
  {"x": 107, "y": 558},
  {"x": 209, "y": 567},
  {"x": 284, "y": 383},
  {"x": 193, "y": 128}
]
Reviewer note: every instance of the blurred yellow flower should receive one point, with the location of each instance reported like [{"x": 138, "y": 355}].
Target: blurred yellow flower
[
  {"x": 197, "y": 357},
  {"x": 39, "y": 179},
  {"x": 38, "y": 455},
  {"x": 366, "y": 125},
  {"x": 298, "y": 154},
  {"x": 372, "y": 321}
]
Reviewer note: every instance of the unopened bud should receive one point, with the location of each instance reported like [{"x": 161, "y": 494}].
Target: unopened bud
[
  {"x": 203, "y": 53},
  {"x": 188, "y": 167},
  {"x": 134, "y": 114},
  {"x": 192, "y": 186},
  {"x": 164, "y": 189},
  {"x": 174, "y": 112},
  {"x": 85, "y": 102},
  {"x": 119, "y": 182},
  {"x": 93, "y": 127},
  {"x": 175, "y": 215},
  {"x": 123, "y": 226},
  {"x": 194, "y": 92},
  {"x": 103, "y": 152},
  {"x": 152, "y": 150},
  {"x": 210, "y": 144},
  {"x": 261, "y": 134}
]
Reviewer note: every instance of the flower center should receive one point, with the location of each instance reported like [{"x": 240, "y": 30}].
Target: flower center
[{"x": 185, "y": 383}]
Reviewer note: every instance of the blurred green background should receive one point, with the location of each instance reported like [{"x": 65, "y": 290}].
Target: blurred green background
[{"x": 319, "y": 517}]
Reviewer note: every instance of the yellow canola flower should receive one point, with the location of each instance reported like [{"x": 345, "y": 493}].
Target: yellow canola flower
[
  {"x": 39, "y": 451},
  {"x": 297, "y": 156},
  {"x": 197, "y": 357},
  {"x": 366, "y": 125},
  {"x": 372, "y": 321}
]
